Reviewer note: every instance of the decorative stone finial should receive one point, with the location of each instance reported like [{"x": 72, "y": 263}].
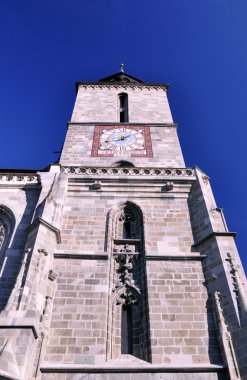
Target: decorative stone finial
[{"x": 122, "y": 67}]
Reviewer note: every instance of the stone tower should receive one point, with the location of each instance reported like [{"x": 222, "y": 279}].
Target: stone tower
[{"x": 116, "y": 262}]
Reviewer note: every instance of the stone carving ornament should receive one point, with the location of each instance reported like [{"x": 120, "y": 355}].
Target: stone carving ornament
[
  {"x": 126, "y": 291},
  {"x": 2, "y": 235}
]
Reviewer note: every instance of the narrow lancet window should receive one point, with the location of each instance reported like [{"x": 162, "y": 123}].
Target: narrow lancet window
[{"x": 123, "y": 108}]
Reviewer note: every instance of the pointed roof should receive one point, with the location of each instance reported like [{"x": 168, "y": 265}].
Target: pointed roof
[{"x": 121, "y": 77}]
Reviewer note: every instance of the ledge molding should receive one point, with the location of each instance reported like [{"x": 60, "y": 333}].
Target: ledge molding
[
  {"x": 214, "y": 234},
  {"x": 51, "y": 368},
  {"x": 48, "y": 225},
  {"x": 176, "y": 257},
  {"x": 88, "y": 256},
  {"x": 80, "y": 256},
  {"x": 20, "y": 319}
]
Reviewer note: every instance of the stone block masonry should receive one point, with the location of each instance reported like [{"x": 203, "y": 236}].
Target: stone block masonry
[{"x": 78, "y": 326}]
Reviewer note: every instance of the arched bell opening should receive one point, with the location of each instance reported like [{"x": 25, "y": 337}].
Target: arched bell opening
[{"x": 128, "y": 317}]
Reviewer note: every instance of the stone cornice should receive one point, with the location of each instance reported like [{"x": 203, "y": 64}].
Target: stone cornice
[
  {"x": 39, "y": 221},
  {"x": 159, "y": 125},
  {"x": 125, "y": 85},
  {"x": 183, "y": 173},
  {"x": 18, "y": 179}
]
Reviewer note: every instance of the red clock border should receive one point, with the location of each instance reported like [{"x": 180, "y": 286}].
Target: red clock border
[{"x": 147, "y": 140}]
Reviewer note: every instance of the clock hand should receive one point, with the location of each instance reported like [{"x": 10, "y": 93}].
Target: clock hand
[
  {"x": 122, "y": 138},
  {"x": 111, "y": 140}
]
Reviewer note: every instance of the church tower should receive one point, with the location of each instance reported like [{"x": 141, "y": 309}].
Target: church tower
[{"x": 116, "y": 262}]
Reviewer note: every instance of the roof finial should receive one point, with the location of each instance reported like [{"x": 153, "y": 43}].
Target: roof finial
[{"x": 122, "y": 67}]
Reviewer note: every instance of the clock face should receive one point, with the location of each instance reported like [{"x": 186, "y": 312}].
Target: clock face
[{"x": 129, "y": 141}]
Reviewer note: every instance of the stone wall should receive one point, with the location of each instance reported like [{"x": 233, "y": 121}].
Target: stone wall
[
  {"x": 181, "y": 315},
  {"x": 181, "y": 318},
  {"x": 85, "y": 217},
  {"x": 78, "y": 326}
]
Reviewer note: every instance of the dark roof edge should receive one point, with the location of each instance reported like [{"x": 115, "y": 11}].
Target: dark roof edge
[
  {"x": 31, "y": 171},
  {"x": 27, "y": 171},
  {"x": 120, "y": 74}
]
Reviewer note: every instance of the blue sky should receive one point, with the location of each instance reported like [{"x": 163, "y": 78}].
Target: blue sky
[{"x": 198, "y": 46}]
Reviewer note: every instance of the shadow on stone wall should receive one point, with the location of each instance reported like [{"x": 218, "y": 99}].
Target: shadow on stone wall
[{"x": 12, "y": 257}]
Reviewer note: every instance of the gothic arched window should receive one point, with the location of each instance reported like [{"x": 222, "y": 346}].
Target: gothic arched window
[
  {"x": 7, "y": 263},
  {"x": 123, "y": 108},
  {"x": 7, "y": 223},
  {"x": 128, "y": 316}
]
